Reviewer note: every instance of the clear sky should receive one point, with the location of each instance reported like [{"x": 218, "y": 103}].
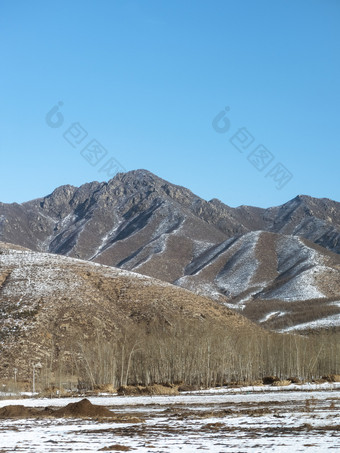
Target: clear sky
[{"x": 142, "y": 82}]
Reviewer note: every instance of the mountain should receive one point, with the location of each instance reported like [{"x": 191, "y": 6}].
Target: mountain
[
  {"x": 256, "y": 260},
  {"x": 85, "y": 222}
]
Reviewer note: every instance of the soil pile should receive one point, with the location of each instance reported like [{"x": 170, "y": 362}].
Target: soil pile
[
  {"x": 268, "y": 380},
  {"x": 83, "y": 409},
  {"x": 19, "y": 411},
  {"x": 116, "y": 448}
]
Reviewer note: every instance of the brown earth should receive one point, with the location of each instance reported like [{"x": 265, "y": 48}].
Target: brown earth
[
  {"x": 116, "y": 447},
  {"x": 83, "y": 409},
  {"x": 19, "y": 411},
  {"x": 80, "y": 409}
]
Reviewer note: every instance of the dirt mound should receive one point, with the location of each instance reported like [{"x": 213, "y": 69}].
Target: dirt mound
[
  {"x": 116, "y": 447},
  {"x": 83, "y": 409},
  {"x": 295, "y": 380},
  {"x": 267, "y": 380},
  {"x": 19, "y": 411}
]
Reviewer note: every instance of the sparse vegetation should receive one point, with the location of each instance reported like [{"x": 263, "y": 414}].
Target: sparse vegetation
[{"x": 190, "y": 353}]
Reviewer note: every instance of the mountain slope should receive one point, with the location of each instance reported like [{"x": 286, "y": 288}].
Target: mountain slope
[{"x": 51, "y": 305}]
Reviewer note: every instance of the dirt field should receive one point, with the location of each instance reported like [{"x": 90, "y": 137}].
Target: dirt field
[{"x": 237, "y": 421}]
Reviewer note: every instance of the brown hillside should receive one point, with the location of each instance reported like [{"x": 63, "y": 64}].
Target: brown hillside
[{"x": 52, "y": 307}]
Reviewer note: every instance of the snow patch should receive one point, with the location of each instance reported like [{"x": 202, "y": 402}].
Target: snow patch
[
  {"x": 200, "y": 288},
  {"x": 104, "y": 242},
  {"x": 330, "y": 321},
  {"x": 335, "y": 303},
  {"x": 276, "y": 314}
]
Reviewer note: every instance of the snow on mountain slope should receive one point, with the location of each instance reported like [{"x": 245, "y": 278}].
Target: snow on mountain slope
[
  {"x": 297, "y": 266},
  {"x": 272, "y": 283},
  {"x": 238, "y": 273}
]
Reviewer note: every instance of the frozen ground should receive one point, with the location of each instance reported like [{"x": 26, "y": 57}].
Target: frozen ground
[{"x": 233, "y": 421}]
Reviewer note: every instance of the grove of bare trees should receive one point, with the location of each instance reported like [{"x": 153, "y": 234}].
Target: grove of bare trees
[{"x": 202, "y": 355}]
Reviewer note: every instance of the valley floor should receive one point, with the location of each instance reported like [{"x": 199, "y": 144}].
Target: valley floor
[{"x": 244, "y": 420}]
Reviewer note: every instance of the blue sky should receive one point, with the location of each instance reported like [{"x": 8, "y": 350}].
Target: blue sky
[{"x": 146, "y": 79}]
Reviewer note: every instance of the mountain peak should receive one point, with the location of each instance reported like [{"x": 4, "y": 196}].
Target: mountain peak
[
  {"x": 304, "y": 199},
  {"x": 135, "y": 175}
]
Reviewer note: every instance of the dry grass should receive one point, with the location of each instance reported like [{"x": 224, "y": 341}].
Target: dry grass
[
  {"x": 156, "y": 389},
  {"x": 332, "y": 377},
  {"x": 282, "y": 383}
]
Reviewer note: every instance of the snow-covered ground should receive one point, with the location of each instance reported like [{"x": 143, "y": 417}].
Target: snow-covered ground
[
  {"x": 329, "y": 321},
  {"x": 301, "y": 264},
  {"x": 35, "y": 273},
  {"x": 230, "y": 421}
]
